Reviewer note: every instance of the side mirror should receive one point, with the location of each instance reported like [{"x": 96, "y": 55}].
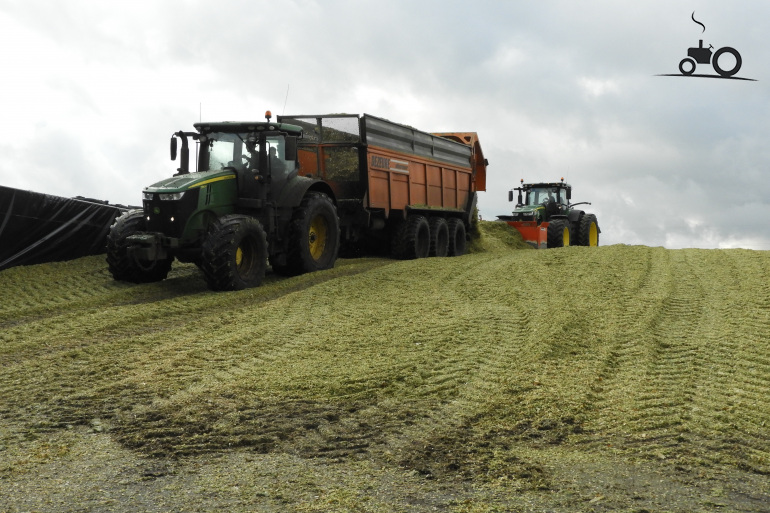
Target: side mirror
[
  {"x": 184, "y": 160},
  {"x": 290, "y": 152},
  {"x": 569, "y": 194},
  {"x": 510, "y": 195}
]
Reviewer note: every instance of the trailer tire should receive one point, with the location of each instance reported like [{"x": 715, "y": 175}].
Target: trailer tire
[
  {"x": 411, "y": 239},
  {"x": 588, "y": 231},
  {"x": 439, "y": 237},
  {"x": 234, "y": 253},
  {"x": 121, "y": 265},
  {"x": 314, "y": 236},
  {"x": 457, "y": 237},
  {"x": 558, "y": 233}
]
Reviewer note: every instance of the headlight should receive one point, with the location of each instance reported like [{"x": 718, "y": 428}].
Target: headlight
[
  {"x": 147, "y": 196},
  {"x": 172, "y": 196}
]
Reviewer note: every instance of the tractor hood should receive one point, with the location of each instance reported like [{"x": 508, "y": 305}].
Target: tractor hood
[
  {"x": 528, "y": 212},
  {"x": 529, "y": 208},
  {"x": 182, "y": 183}
]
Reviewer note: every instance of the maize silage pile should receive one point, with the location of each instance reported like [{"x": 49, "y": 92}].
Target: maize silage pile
[{"x": 608, "y": 379}]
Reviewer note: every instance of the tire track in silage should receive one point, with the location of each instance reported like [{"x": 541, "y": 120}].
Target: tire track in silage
[
  {"x": 455, "y": 365},
  {"x": 666, "y": 395},
  {"x": 446, "y": 440},
  {"x": 733, "y": 405},
  {"x": 364, "y": 412},
  {"x": 120, "y": 353},
  {"x": 644, "y": 391},
  {"x": 635, "y": 284}
]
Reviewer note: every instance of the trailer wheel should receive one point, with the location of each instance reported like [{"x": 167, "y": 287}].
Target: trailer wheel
[
  {"x": 121, "y": 265},
  {"x": 411, "y": 239},
  {"x": 588, "y": 232},
  {"x": 558, "y": 233},
  {"x": 314, "y": 237},
  {"x": 439, "y": 237},
  {"x": 457, "y": 242},
  {"x": 234, "y": 253}
]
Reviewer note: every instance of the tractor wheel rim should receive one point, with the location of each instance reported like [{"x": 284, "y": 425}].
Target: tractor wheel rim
[
  {"x": 317, "y": 236},
  {"x": 566, "y": 236},
  {"x": 238, "y": 256},
  {"x": 593, "y": 235}
]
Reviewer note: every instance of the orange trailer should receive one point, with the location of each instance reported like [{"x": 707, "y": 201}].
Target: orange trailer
[{"x": 391, "y": 182}]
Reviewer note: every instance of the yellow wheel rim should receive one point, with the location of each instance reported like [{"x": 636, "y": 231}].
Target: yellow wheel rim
[
  {"x": 238, "y": 256},
  {"x": 593, "y": 235},
  {"x": 566, "y": 236},
  {"x": 317, "y": 237}
]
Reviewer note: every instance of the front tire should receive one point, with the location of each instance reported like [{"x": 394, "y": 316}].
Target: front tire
[
  {"x": 121, "y": 265},
  {"x": 687, "y": 66},
  {"x": 558, "y": 233},
  {"x": 234, "y": 253}
]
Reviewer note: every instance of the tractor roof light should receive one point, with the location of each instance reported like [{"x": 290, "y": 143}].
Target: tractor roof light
[{"x": 268, "y": 115}]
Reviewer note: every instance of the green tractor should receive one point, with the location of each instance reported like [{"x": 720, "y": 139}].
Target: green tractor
[
  {"x": 546, "y": 219},
  {"x": 245, "y": 205}
]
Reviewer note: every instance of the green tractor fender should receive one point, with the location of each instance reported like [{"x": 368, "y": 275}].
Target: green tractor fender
[
  {"x": 297, "y": 187},
  {"x": 198, "y": 223},
  {"x": 574, "y": 216}
]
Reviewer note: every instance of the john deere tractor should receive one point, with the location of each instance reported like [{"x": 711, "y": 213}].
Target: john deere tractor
[
  {"x": 546, "y": 219},
  {"x": 243, "y": 206}
]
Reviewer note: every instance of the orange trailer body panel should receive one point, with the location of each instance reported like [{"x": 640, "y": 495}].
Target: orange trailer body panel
[
  {"x": 479, "y": 162},
  {"x": 398, "y": 180}
]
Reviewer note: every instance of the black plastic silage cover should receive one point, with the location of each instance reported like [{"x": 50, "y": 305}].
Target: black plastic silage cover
[{"x": 37, "y": 228}]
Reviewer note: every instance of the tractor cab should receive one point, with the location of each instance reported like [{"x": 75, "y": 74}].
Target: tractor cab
[
  {"x": 244, "y": 163},
  {"x": 552, "y": 197},
  {"x": 541, "y": 201},
  {"x": 257, "y": 153}
]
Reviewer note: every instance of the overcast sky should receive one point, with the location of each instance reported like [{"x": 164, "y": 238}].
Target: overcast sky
[{"x": 93, "y": 90}]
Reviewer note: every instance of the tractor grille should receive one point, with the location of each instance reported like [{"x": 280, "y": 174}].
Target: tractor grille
[{"x": 170, "y": 216}]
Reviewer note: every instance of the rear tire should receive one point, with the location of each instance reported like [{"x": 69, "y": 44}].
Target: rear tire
[
  {"x": 558, "y": 233},
  {"x": 457, "y": 240},
  {"x": 122, "y": 266},
  {"x": 234, "y": 253},
  {"x": 588, "y": 232},
  {"x": 314, "y": 237},
  {"x": 439, "y": 237},
  {"x": 411, "y": 239}
]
